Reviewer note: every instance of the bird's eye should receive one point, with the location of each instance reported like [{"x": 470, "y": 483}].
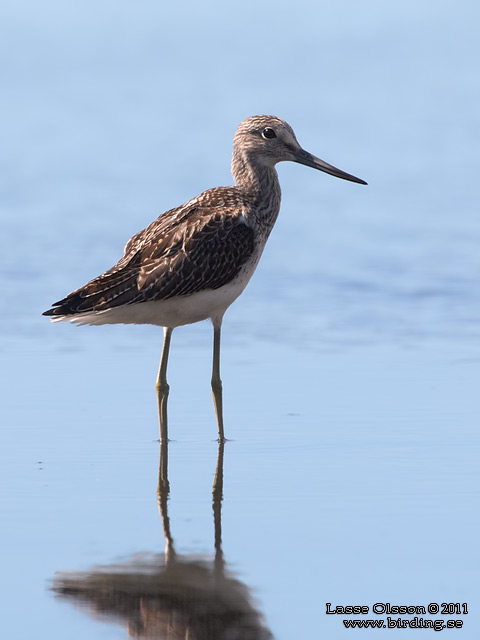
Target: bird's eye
[{"x": 269, "y": 133}]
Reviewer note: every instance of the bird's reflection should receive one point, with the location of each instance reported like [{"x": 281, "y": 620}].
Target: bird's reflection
[{"x": 170, "y": 595}]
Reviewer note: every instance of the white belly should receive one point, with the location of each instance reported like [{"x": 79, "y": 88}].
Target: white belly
[{"x": 173, "y": 312}]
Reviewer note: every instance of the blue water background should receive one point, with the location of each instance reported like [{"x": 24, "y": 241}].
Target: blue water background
[{"x": 350, "y": 364}]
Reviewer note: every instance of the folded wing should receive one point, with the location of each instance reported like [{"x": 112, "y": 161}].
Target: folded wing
[{"x": 184, "y": 251}]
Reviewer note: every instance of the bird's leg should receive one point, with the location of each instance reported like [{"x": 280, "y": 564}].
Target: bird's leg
[
  {"x": 216, "y": 380},
  {"x": 162, "y": 385}
]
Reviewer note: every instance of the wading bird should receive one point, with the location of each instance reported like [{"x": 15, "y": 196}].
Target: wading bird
[{"x": 193, "y": 261}]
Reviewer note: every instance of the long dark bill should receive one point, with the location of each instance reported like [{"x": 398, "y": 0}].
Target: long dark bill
[{"x": 303, "y": 157}]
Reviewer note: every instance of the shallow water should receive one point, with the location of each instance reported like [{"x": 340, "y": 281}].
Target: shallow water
[{"x": 350, "y": 363}]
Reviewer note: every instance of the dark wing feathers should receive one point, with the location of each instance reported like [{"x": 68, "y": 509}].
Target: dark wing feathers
[
  {"x": 161, "y": 227},
  {"x": 184, "y": 251},
  {"x": 207, "y": 258}
]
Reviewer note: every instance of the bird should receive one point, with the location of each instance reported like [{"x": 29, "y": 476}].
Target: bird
[{"x": 193, "y": 261}]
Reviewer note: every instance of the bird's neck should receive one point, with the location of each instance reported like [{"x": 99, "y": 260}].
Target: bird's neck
[{"x": 260, "y": 182}]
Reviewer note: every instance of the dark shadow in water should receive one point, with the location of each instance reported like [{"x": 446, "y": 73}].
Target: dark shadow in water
[{"x": 170, "y": 595}]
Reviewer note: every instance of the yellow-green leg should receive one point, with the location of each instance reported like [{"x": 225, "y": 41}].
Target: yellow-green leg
[
  {"x": 162, "y": 385},
  {"x": 216, "y": 380}
]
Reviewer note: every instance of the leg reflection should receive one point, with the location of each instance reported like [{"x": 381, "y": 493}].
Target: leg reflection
[
  {"x": 163, "y": 493},
  {"x": 217, "y": 510},
  {"x": 173, "y": 595}
]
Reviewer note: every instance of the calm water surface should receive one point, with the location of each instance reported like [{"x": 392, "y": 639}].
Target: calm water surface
[{"x": 350, "y": 364}]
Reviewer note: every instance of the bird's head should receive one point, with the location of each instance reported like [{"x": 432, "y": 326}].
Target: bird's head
[{"x": 266, "y": 140}]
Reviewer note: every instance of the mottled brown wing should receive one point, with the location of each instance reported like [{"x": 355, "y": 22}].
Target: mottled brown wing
[{"x": 184, "y": 251}]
